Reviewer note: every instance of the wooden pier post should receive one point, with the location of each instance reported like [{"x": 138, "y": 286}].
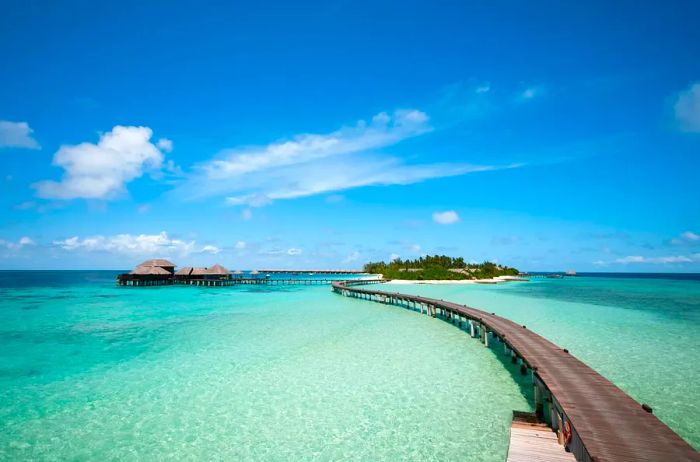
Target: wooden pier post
[{"x": 539, "y": 404}]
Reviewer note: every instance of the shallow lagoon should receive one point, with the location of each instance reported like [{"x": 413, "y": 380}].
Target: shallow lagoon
[
  {"x": 93, "y": 371},
  {"x": 641, "y": 333}
]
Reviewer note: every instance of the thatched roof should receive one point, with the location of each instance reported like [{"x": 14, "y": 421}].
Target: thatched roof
[
  {"x": 255, "y": 272},
  {"x": 185, "y": 271},
  {"x": 155, "y": 270},
  {"x": 218, "y": 269},
  {"x": 158, "y": 262}
]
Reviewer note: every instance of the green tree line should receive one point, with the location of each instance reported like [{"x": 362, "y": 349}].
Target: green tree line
[{"x": 440, "y": 267}]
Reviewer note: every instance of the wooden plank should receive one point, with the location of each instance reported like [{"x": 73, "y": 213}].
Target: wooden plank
[{"x": 530, "y": 443}]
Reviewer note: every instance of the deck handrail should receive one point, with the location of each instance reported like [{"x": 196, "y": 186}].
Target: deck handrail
[{"x": 608, "y": 424}]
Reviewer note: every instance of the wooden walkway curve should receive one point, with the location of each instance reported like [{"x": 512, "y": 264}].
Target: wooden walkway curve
[{"x": 607, "y": 424}]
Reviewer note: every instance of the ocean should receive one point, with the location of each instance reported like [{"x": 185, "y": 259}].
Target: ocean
[{"x": 89, "y": 370}]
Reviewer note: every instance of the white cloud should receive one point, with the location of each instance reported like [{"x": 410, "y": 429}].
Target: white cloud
[
  {"x": 529, "y": 93},
  {"x": 687, "y": 109},
  {"x": 447, "y": 217},
  {"x": 632, "y": 259},
  {"x": 251, "y": 200},
  {"x": 686, "y": 238},
  {"x": 384, "y": 130},
  {"x": 101, "y": 171},
  {"x": 165, "y": 145},
  {"x": 294, "y": 251},
  {"x": 23, "y": 241},
  {"x": 210, "y": 249},
  {"x": 323, "y": 177},
  {"x": 247, "y": 214},
  {"x": 394, "y": 256},
  {"x": 16, "y": 135},
  {"x": 311, "y": 164},
  {"x": 240, "y": 245},
  {"x": 128, "y": 244},
  {"x": 691, "y": 236}
]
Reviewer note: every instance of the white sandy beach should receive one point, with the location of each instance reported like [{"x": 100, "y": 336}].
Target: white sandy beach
[{"x": 495, "y": 280}]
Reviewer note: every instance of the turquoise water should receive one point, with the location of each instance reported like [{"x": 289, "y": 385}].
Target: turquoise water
[
  {"x": 91, "y": 371},
  {"x": 642, "y": 334}
]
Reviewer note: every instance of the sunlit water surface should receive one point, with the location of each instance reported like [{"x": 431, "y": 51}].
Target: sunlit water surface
[
  {"x": 91, "y": 371},
  {"x": 641, "y": 333}
]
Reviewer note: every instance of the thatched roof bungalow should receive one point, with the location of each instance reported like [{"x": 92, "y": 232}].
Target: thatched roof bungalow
[
  {"x": 150, "y": 271},
  {"x": 184, "y": 272},
  {"x": 162, "y": 272},
  {"x": 215, "y": 272},
  {"x": 159, "y": 263}
]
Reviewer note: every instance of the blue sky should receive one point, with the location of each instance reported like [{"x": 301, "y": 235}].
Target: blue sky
[{"x": 545, "y": 135}]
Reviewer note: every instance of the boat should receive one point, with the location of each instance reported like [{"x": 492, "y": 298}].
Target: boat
[{"x": 570, "y": 272}]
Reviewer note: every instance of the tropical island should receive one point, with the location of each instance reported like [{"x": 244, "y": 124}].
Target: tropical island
[{"x": 439, "y": 268}]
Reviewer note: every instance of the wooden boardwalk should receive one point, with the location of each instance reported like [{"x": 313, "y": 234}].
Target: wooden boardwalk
[
  {"x": 535, "y": 443},
  {"x": 607, "y": 424}
]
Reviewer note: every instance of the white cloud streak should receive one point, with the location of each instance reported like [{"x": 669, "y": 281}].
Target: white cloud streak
[
  {"x": 101, "y": 171},
  {"x": 23, "y": 241},
  {"x": 691, "y": 236},
  {"x": 636, "y": 259},
  {"x": 16, "y": 135},
  {"x": 447, "y": 217},
  {"x": 687, "y": 109},
  {"x": 311, "y": 164},
  {"x": 133, "y": 245},
  {"x": 530, "y": 93},
  {"x": 383, "y": 130}
]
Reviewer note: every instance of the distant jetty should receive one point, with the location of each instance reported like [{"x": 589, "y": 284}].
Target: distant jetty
[
  {"x": 312, "y": 271},
  {"x": 161, "y": 272}
]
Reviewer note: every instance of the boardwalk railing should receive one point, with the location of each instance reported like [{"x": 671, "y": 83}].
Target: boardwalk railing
[{"x": 606, "y": 424}]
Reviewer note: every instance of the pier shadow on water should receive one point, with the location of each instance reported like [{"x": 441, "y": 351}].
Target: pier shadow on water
[{"x": 497, "y": 349}]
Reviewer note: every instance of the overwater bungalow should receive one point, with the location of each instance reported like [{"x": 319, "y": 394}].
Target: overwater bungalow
[
  {"x": 162, "y": 272},
  {"x": 157, "y": 263},
  {"x": 183, "y": 273},
  {"x": 149, "y": 273},
  {"x": 216, "y": 272}
]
